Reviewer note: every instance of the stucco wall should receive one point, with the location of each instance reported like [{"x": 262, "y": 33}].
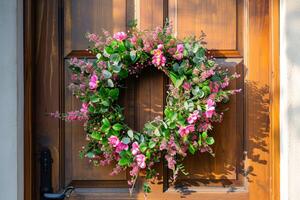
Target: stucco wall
[
  {"x": 290, "y": 99},
  {"x": 11, "y": 100}
]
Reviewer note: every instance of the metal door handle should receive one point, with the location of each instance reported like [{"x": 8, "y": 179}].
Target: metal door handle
[{"x": 60, "y": 196}]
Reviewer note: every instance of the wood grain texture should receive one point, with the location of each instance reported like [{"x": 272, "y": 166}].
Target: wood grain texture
[
  {"x": 275, "y": 100},
  {"x": 46, "y": 88},
  {"x": 217, "y": 19},
  {"x": 92, "y": 16}
]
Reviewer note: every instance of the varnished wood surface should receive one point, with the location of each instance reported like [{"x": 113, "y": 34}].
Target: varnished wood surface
[{"x": 254, "y": 151}]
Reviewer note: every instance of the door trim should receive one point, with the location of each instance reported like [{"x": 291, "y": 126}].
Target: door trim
[{"x": 29, "y": 56}]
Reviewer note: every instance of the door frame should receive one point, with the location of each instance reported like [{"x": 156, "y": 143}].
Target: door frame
[{"x": 274, "y": 74}]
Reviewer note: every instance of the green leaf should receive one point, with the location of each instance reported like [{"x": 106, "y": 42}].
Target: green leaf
[
  {"x": 115, "y": 58},
  {"x": 143, "y": 147},
  {"x": 117, "y": 68},
  {"x": 152, "y": 144},
  {"x": 105, "y": 122},
  {"x": 110, "y": 83},
  {"x": 173, "y": 77},
  {"x": 109, "y": 50},
  {"x": 90, "y": 155},
  {"x": 114, "y": 93},
  {"x": 132, "y": 55},
  {"x": 206, "y": 90},
  {"x": 210, "y": 140},
  {"x": 117, "y": 127},
  {"x": 124, "y": 161},
  {"x": 105, "y": 103},
  {"x": 96, "y": 135},
  {"x": 126, "y": 140},
  {"x": 146, "y": 188},
  {"x": 106, "y": 74},
  {"x": 130, "y": 133},
  {"x": 123, "y": 73},
  {"x": 95, "y": 99},
  {"x": 105, "y": 128},
  {"x": 121, "y": 48},
  {"x": 179, "y": 82},
  {"x": 192, "y": 149},
  {"x": 204, "y": 135}
]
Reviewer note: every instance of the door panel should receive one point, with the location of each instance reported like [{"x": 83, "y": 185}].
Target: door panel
[{"x": 238, "y": 35}]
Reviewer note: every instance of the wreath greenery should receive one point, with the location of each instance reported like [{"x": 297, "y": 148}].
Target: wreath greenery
[{"x": 197, "y": 87}]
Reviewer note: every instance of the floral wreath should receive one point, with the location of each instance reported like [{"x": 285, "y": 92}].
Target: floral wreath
[{"x": 197, "y": 86}]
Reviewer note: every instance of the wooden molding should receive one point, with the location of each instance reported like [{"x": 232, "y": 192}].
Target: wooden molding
[{"x": 28, "y": 69}]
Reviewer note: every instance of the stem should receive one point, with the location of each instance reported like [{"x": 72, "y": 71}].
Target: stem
[{"x": 133, "y": 184}]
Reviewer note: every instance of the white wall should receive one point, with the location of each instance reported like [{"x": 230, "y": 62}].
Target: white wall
[
  {"x": 290, "y": 99},
  {"x": 11, "y": 100}
]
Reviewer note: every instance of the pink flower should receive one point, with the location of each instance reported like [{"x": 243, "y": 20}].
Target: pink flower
[
  {"x": 180, "y": 48},
  {"x": 93, "y": 82},
  {"x": 183, "y": 131},
  {"x": 84, "y": 108},
  {"x": 135, "y": 148},
  {"x": 172, "y": 51},
  {"x": 193, "y": 117},
  {"x": 171, "y": 161},
  {"x": 120, "y": 36},
  {"x": 158, "y": 58},
  {"x": 73, "y": 61},
  {"x": 186, "y": 86},
  {"x": 214, "y": 87},
  {"x": 140, "y": 160},
  {"x": 121, "y": 146},
  {"x": 114, "y": 141},
  {"x": 133, "y": 40},
  {"x": 160, "y": 46},
  {"x": 179, "y": 52},
  {"x": 225, "y": 83},
  {"x": 134, "y": 171},
  {"x": 206, "y": 74},
  {"x": 92, "y": 37},
  {"x": 210, "y": 108}
]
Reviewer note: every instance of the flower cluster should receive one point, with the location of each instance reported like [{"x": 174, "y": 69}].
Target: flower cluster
[{"x": 197, "y": 87}]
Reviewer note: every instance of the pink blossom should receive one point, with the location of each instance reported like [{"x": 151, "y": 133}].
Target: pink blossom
[
  {"x": 74, "y": 77},
  {"x": 133, "y": 40},
  {"x": 179, "y": 52},
  {"x": 93, "y": 82},
  {"x": 180, "y": 48},
  {"x": 73, "y": 61},
  {"x": 158, "y": 58},
  {"x": 135, "y": 170},
  {"x": 84, "y": 108},
  {"x": 206, "y": 74},
  {"x": 114, "y": 141},
  {"x": 193, "y": 117},
  {"x": 135, "y": 148},
  {"x": 171, "y": 161},
  {"x": 120, "y": 36},
  {"x": 160, "y": 46},
  {"x": 92, "y": 37},
  {"x": 225, "y": 83},
  {"x": 172, "y": 51},
  {"x": 210, "y": 108},
  {"x": 121, "y": 146},
  {"x": 214, "y": 87},
  {"x": 140, "y": 160},
  {"x": 187, "y": 86},
  {"x": 82, "y": 86},
  {"x": 183, "y": 131}
]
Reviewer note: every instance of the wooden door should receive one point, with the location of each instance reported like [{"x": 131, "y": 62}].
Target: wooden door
[{"x": 240, "y": 34}]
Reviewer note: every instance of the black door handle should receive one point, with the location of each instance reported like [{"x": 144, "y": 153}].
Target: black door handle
[{"x": 60, "y": 196}]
